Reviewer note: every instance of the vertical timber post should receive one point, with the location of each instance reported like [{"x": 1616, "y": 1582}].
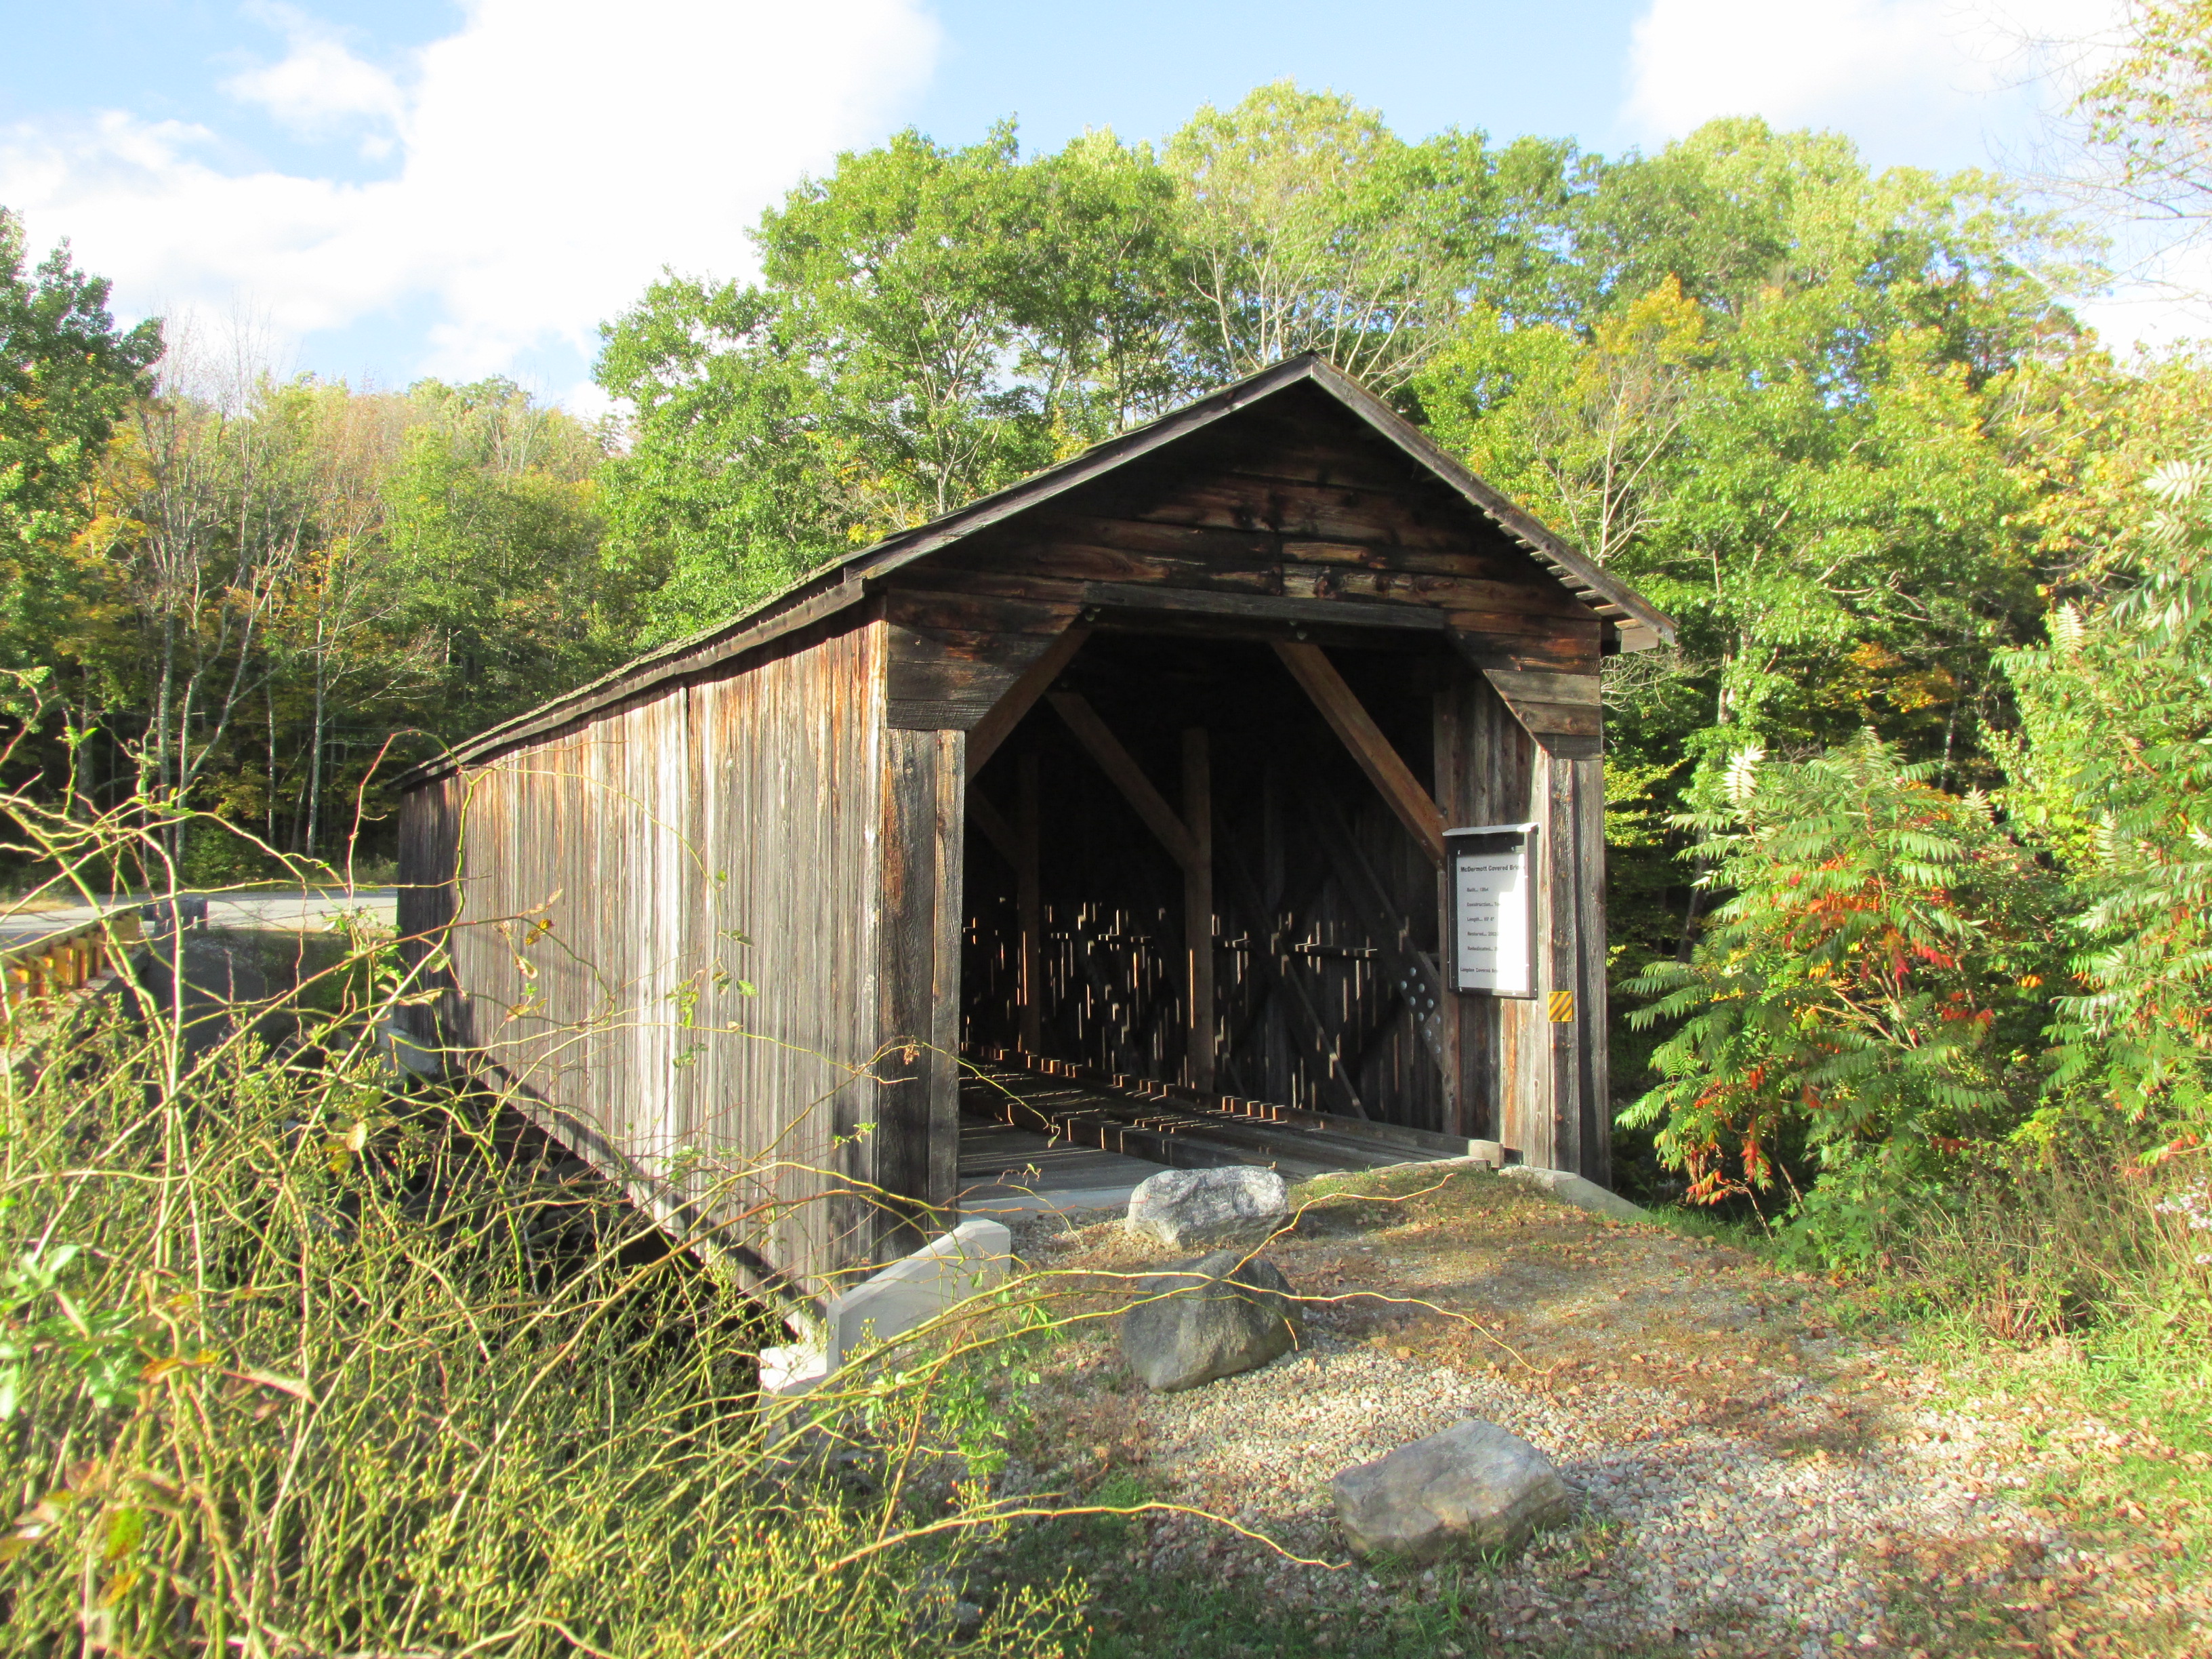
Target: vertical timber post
[
  {"x": 1595, "y": 1032},
  {"x": 1198, "y": 906},
  {"x": 915, "y": 1143},
  {"x": 1028, "y": 887},
  {"x": 950, "y": 829},
  {"x": 1567, "y": 1116},
  {"x": 1559, "y": 972}
]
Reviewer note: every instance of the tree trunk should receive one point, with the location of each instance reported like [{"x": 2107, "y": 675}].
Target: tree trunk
[{"x": 315, "y": 750}]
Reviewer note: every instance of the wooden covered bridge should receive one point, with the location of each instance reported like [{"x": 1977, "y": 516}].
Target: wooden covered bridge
[{"x": 1158, "y": 766}]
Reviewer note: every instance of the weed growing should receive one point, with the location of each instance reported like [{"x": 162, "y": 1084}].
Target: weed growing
[
  {"x": 297, "y": 1364},
  {"x": 301, "y": 1357}
]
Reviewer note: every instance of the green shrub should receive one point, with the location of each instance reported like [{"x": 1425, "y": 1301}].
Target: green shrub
[
  {"x": 2113, "y": 773},
  {"x": 1868, "y": 1001}
]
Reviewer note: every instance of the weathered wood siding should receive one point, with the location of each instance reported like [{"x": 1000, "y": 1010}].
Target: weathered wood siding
[
  {"x": 618, "y": 885},
  {"x": 1287, "y": 501},
  {"x": 1535, "y": 1068}
]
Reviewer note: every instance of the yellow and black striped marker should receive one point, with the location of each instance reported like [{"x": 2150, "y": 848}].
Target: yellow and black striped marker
[{"x": 1562, "y": 1007}]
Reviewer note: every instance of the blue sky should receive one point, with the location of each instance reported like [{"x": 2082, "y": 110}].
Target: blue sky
[{"x": 381, "y": 191}]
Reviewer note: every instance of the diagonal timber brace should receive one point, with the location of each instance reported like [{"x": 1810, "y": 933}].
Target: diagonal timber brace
[{"x": 1341, "y": 708}]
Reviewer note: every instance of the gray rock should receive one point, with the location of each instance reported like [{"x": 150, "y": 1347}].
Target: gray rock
[
  {"x": 1223, "y": 1314},
  {"x": 1191, "y": 1206},
  {"x": 1473, "y": 1486}
]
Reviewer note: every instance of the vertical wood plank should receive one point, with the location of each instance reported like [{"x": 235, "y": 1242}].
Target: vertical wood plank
[
  {"x": 907, "y": 976},
  {"x": 1597, "y": 1025},
  {"x": 1562, "y": 966},
  {"x": 1598, "y": 1022}
]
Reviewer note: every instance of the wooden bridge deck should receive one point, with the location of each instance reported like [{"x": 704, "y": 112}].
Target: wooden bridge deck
[
  {"x": 1035, "y": 1142},
  {"x": 1005, "y": 1170}
]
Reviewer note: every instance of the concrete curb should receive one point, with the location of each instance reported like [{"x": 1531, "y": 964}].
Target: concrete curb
[
  {"x": 1584, "y": 1194},
  {"x": 915, "y": 1289},
  {"x": 1066, "y": 1201}
]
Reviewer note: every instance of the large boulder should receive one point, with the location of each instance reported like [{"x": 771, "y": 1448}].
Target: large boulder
[
  {"x": 1182, "y": 1207},
  {"x": 1473, "y": 1486},
  {"x": 1213, "y": 1317}
]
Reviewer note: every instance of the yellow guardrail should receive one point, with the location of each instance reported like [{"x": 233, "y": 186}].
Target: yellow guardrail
[{"x": 57, "y": 963}]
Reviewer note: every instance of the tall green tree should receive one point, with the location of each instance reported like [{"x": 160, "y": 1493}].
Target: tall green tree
[
  {"x": 491, "y": 569},
  {"x": 1312, "y": 227},
  {"x": 68, "y": 376},
  {"x": 930, "y": 323},
  {"x": 1796, "y": 416}
]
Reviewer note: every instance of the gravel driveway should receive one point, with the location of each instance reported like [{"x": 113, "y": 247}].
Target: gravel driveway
[{"x": 1752, "y": 1480}]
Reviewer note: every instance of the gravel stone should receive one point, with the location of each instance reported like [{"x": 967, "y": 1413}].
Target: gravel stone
[{"x": 1746, "y": 1479}]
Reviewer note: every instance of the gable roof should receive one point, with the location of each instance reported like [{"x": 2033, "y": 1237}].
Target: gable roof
[{"x": 846, "y": 580}]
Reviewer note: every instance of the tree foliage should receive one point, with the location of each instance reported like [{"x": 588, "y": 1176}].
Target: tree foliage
[
  {"x": 68, "y": 376},
  {"x": 271, "y": 584},
  {"x": 2113, "y": 771},
  {"x": 933, "y": 323},
  {"x": 1787, "y": 417},
  {"x": 2149, "y": 115}
]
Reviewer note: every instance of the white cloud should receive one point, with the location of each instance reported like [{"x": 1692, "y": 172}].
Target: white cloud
[
  {"x": 1935, "y": 77},
  {"x": 320, "y": 85},
  {"x": 554, "y": 156}
]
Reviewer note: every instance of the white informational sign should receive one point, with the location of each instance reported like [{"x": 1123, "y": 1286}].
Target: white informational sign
[{"x": 1494, "y": 909}]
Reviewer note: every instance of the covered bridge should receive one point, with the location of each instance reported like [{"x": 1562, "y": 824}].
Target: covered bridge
[{"x": 1153, "y": 767}]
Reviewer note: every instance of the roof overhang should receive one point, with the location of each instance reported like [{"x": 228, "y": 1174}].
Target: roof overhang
[{"x": 1638, "y": 624}]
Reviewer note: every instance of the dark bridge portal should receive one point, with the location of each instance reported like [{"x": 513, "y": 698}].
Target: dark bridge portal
[{"x": 1310, "y": 913}]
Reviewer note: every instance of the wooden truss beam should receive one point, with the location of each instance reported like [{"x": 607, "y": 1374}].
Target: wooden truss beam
[
  {"x": 996, "y": 726},
  {"x": 1281, "y": 982},
  {"x": 1415, "y": 976},
  {"x": 1348, "y": 718},
  {"x": 1029, "y": 903},
  {"x": 1119, "y": 765},
  {"x": 1198, "y": 906}
]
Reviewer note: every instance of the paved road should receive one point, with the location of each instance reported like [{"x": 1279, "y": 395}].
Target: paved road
[{"x": 292, "y": 910}]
